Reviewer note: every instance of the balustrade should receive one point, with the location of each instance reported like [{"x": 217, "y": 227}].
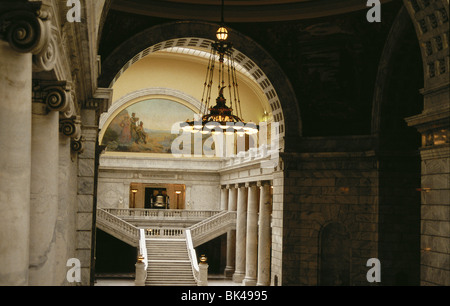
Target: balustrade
[
  {"x": 164, "y": 233},
  {"x": 161, "y": 213}
]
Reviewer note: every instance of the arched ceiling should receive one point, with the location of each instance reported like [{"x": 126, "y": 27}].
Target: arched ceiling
[
  {"x": 239, "y": 11},
  {"x": 327, "y": 49}
]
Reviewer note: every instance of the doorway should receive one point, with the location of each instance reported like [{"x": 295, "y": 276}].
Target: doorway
[{"x": 157, "y": 196}]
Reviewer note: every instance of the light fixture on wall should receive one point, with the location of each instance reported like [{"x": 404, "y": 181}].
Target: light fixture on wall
[{"x": 221, "y": 117}]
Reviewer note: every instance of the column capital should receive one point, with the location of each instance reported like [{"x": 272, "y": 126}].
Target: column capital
[
  {"x": 55, "y": 95},
  {"x": 25, "y": 26},
  {"x": 77, "y": 145},
  {"x": 71, "y": 127},
  {"x": 251, "y": 184},
  {"x": 263, "y": 183}
]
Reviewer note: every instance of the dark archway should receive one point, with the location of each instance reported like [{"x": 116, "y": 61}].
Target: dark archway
[
  {"x": 335, "y": 256},
  {"x": 397, "y": 96}
]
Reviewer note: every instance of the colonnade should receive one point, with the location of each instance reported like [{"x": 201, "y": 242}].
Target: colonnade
[
  {"x": 248, "y": 247},
  {"x": 29, "y": 149},
  {"x": 35, "y": 114}
]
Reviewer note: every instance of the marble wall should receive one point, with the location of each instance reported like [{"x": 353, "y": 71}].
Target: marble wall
[{"x": 201, "y": 179}]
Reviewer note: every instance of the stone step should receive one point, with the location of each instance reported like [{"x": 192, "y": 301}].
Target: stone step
[{"x": 168, "y": 263}]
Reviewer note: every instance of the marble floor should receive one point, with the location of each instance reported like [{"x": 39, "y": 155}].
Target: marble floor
[{"x": 213, "y": 280}]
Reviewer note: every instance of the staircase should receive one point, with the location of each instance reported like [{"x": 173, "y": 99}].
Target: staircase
[
  {"x": 168, "y": 263},
  {"x": 170, "y": 253}
]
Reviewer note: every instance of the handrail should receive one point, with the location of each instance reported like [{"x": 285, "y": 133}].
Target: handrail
[
  {"x": 143, "y": 248},
  {"x": 115, "y": 223},
  {"x": 192, "y": 255},
  {"x": 212, "y": 224},
  {"x": 161, "y": 213}
]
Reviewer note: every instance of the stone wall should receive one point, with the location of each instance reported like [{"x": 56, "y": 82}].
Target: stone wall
[
  {"x": 200, "y": 178},
  {"x": 435, "y": 217},
  {"x": 320, "y": 189}
]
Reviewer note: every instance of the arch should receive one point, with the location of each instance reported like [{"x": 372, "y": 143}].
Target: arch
[
  {"x": 249, "y": 54},
  {"x": 139, "y": 95},
  {"x": 431, "y": 21},
  {"x": 397, "y": 30},
  {"x": 334, "y": 259}
]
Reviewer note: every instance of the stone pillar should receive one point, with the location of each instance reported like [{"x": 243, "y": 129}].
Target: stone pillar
[
  {"x": 203, "y": 274},
  {"x": 26, "y": 43},
  {"x": 87, "y": 194},
  {"x": 434, "y": 125},
  {"x": 251, "y": 252},
  {"x": 223, "y": 198},
  {"x": 231, "y": 235},
  {"x": 241, "y": 232},
  {"x": 264, "y": 235},
  {"x": 44, "y": 195},
  {"x": 140, "y": 273},
  {"x": 15, "y": 164}
]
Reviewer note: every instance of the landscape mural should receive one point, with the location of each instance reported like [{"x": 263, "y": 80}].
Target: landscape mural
[{"x": 145, "y": 127}]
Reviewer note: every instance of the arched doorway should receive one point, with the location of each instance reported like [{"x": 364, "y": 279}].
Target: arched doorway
[{"x": 335, "y": 256}]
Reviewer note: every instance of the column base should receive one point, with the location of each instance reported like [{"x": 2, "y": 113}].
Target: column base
[
  {"x": 263, "y": 284},
  {"x": 238, "y": 277},
  {"x": 229, "y": 272},
  {"x": 249, "y": 282}
]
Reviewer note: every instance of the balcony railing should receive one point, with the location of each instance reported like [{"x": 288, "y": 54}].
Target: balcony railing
[{"x": 157, "y": 214}]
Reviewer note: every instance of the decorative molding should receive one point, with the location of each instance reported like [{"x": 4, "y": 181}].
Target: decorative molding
[
  {"x": 27, "y": 27},
  {"x": 77, "y": 145},
  {"x": 101, "y": 100},
  {"x": 47, "y": 58},
  {"x": 56, "y": 96},
  {"x": 71, "y": 127}
]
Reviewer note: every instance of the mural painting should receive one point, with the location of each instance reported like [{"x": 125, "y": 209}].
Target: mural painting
[{"x": 145, "y": 127}]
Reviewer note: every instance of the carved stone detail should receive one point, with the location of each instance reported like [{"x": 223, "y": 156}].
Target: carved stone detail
[
  {"x": 26, "y": 29},
  {"x": 46, "y": 59},
  {"x": 71, "y": 127},
  {"x": 57, "y": 96},
  {"x": 77, "y": 145}
]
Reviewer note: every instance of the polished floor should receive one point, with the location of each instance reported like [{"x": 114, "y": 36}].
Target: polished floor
[{"x": 213, "y": 280}]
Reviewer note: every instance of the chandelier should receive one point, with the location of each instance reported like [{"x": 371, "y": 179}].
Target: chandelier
[{"x": 221, "y": 117}]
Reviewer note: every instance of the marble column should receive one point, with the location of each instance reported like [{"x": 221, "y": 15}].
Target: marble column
[
  {"x": 264, "y": 235},
  {"x": 44, "y": 195},
  {"x": 15, "y": 164},
  {"x": 231, "y": 235},
  {"x": 241, "y": 232},
  {"x": 251, "y": 252}
]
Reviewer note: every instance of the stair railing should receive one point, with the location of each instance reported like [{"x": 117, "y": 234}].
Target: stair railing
[
  {"x": 217, "y": 223},
  {"x": 143, "y": 248},
  {"x": 142, "y": 263},
  {"x": 192, "y": 255},
  {"x": 115, "y": 225}
]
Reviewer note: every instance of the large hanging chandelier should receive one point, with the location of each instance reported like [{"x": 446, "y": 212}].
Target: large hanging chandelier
[{"x": 221, "y": 117}]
